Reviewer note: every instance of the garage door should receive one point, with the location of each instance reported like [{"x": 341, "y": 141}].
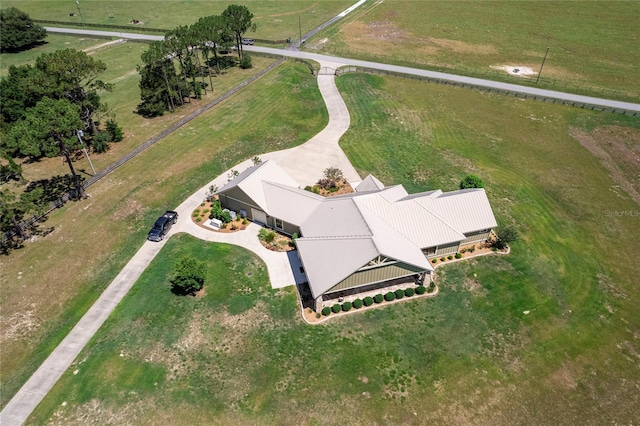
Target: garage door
[{"x": 259, "y": 216}]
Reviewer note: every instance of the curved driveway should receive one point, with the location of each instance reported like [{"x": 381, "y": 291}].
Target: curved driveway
[{"x": 305, "y": 163}]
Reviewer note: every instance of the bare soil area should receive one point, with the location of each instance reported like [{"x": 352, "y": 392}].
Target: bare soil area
[{"x": 618, "y": 150}]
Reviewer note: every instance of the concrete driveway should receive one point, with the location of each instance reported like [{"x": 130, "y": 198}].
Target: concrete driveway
[{"x": 305, "y": 163}]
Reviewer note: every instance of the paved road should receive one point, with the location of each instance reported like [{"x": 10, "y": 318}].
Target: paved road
[{"x": 569, "y": 97}]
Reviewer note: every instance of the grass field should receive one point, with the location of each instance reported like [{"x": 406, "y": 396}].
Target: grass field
[
  {"x": 53, "y": 43},
  {"x": 275, "y": 20},
  {"x": 41, "y": 300},
  {"x": 591, "y": 43},
  {"x": 241, "y": 355},
  {"x": 121, "y": 61}
]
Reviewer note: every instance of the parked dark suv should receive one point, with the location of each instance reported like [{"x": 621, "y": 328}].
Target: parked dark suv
[{"x": 162, "y": 226}]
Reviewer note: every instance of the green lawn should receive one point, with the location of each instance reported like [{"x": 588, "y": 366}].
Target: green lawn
[
  {"x": 591, "y": 43},
  {"x": 102, "y": 233},
  {"x": 53, "y": 42},
  {"x": 276, "y": 20},
  {"x": 241, "y": 354}
]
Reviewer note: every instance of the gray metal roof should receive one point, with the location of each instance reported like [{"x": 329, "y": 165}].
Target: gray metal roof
[
  {"x": 251, "y": 181},
  {"x": 370, "y": 183},
  {"x": 342, "y": 234},
  {"x": 281, "y": 198},
  {"x": 467, "y": 210},
  {"x": 327, "y": 261}
]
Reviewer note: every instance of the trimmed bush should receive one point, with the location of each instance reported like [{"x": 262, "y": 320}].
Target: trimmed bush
[
  {"x": 326, "y": 311},
  {"x": 442, "y": 259},
  {"x": 368, "y": 301},
  {"x": 198, "y": 219},
  {"x": 434, "y": 260},
  {"x": 390, "y": 296},
  {"x": 421, "y": 289},
  {"x": 450, "y": 257},
  {"x": 196, "y": 212},
  {"x": 399, "y": 293},
  {"x": 357, "y": 303},
  {"x": 336, "y": 308},
  {"x": 458, "y": 255},
  {"x": 432, "y": 287},
  {"x": 378, "y": 298},
  {"x": 409, "y": 292},
  {"x": 346, "y": 306},
  {"x": 245, "y": 221}
]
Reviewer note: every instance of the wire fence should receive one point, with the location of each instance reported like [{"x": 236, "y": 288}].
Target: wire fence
[
  {"x": 27, "y": 223},
  {"x": 515, "y": 93},
  {"x": 487, "y": 73},
  {"x": 135, "y": 28}
]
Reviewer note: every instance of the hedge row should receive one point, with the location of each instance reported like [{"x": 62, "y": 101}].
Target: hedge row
[{"x": 378, "y": 298}]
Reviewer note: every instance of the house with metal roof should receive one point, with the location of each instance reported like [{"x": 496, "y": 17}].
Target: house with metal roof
[{"x": 363, "y": 240}]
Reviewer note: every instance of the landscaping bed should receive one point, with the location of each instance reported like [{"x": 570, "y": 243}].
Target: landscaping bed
[{"x": 200, "y": 216}]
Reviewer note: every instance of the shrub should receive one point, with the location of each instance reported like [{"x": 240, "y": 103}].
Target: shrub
[
  {"x": 346, "y": 306},
  {"x": 336, "y": 308},
  {"x": 368, "y": 301},
  {"x": 266, "y": 235},
  {"x": 189, "y": 275},
  {"x": 378, "y": 298},
  {"x": 238, "y": 218},
  {"x": 472, "y": 249},
  {"x": 234, "y": 227},
  {"x": 205, "y": 211},
  {"x": 390, "y": 296},
  {"x": 399, "y": 293},
  {"x": 326, "y": 311},
  {"x": 245, "y": 221},
  {"x": 223, "y": 226},
  {"x": 434, "y": 260},
  {"x": 458, "y": 255},
  {"x": 202, "y": 204},
  {"x": 357, "y": 303},
  {"x": 198, "y": 219},
  {"x": 100, "y": 142},
  {"x": 505, "y": 236},
  {"x": 196, "y": 212},
  {"x": 471, "y": 181},
  {"x": 432, "y": 287},
  {"x": 114, "y": 131},
  {"x": 421, "y": 289},
  {"x": 450, "y": 257},
  {"x": 442, "y": 259},
  {"x": 409, "y": 292},
  {"x": 246, "y": 63}
]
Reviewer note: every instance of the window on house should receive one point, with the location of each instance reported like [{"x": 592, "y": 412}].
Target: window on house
[{"x": 279, "y": 224}]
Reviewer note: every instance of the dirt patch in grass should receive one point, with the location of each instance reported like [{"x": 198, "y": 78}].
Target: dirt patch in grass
[
  {"x": 379, "y": 37},
  {"x": 618, "y": 150}
]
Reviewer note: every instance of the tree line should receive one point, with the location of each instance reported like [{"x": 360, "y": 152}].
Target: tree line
[
  {"x": 49, "y": 109},
  {"x": 177, "y": 68}
]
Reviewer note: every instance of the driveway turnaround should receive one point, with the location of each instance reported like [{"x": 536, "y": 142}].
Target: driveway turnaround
[{"x": 305, "y": 162}]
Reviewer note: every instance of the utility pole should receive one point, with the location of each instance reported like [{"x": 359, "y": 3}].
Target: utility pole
[
  {"x": 84, "y": 149},
  {"x": 78, "y": 6},
  {"x": 544, "y": 59}
]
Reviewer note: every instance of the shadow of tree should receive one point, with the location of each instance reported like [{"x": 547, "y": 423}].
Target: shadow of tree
[{"x": 54, "y": 187}]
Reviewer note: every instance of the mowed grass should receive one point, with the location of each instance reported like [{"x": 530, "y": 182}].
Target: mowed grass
[
  {"x": 49, "y": 284},
  {"x": 122, "y": 60},
  {"x": 553, "y": 324},
  {"x": 52, "y": 43},
  {"x": 591, "y": 43},
  {"x": 275, "y": 20}
]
